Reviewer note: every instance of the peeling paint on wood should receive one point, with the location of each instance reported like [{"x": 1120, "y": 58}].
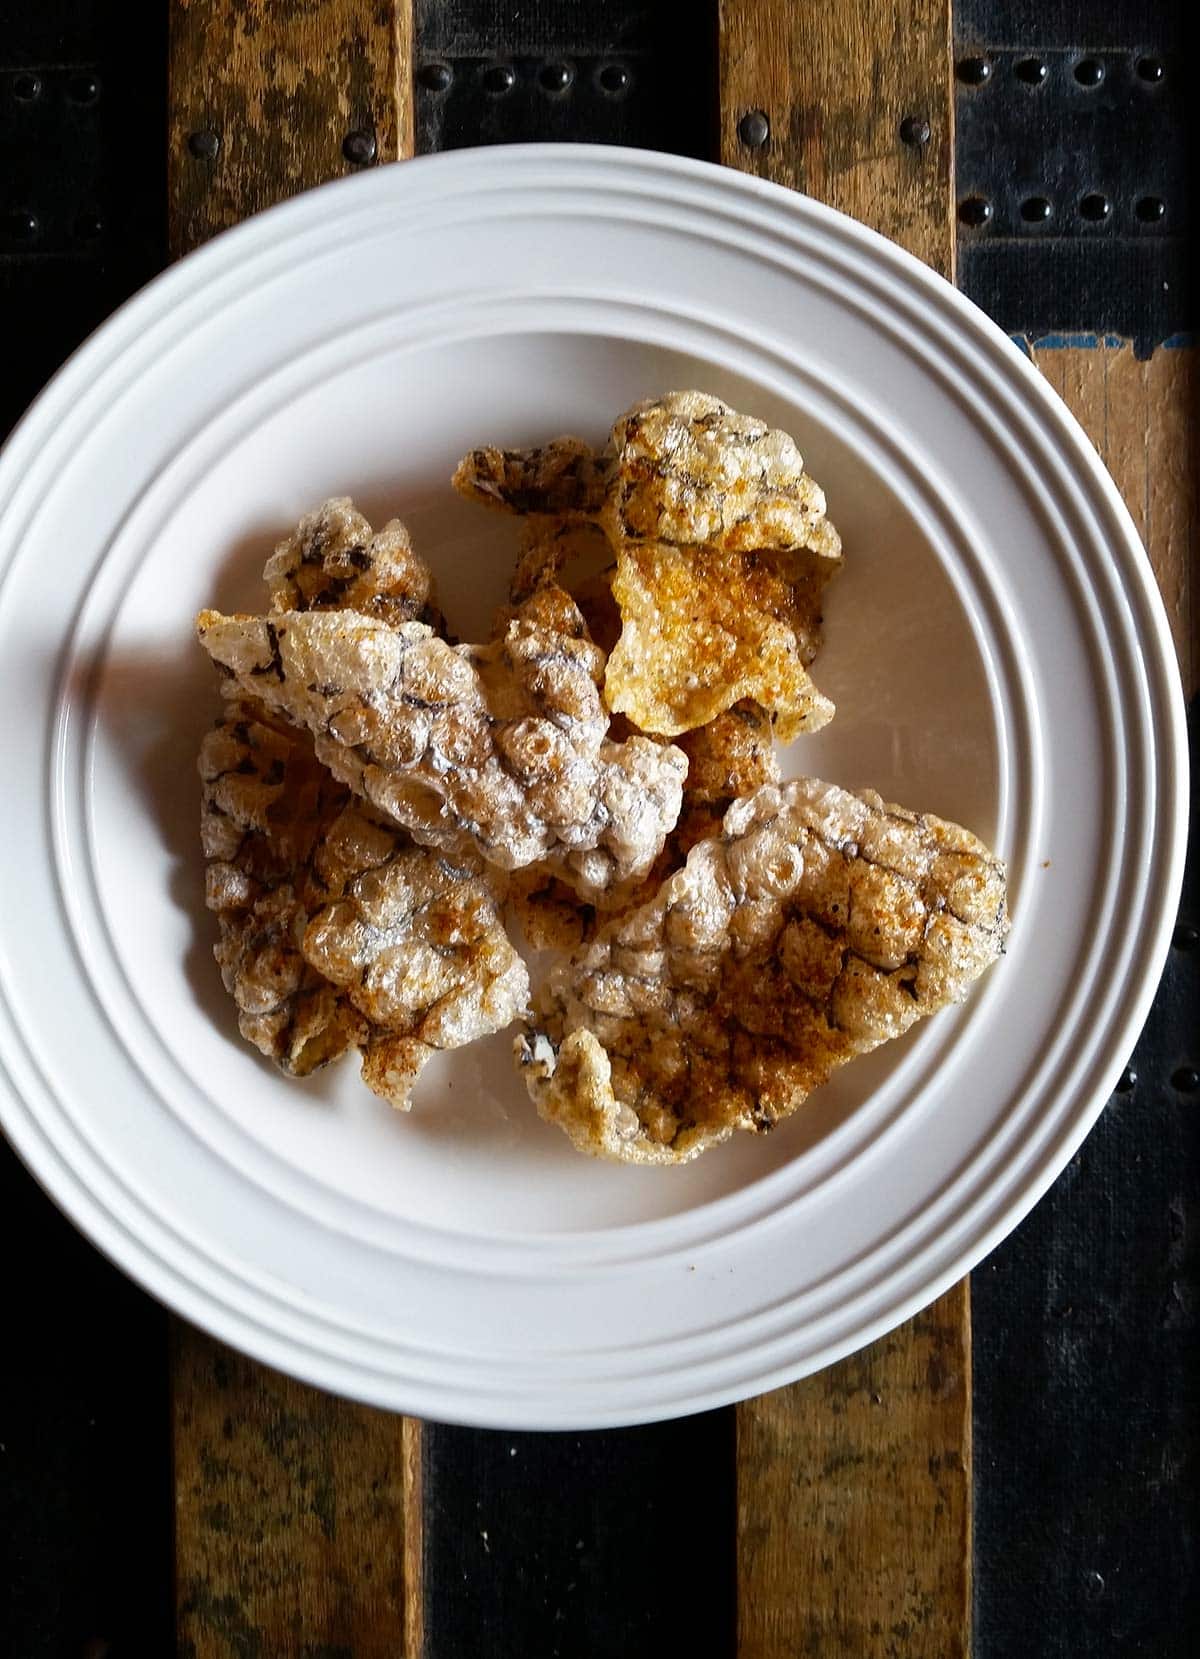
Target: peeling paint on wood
[{"x": 279, "y": 85}]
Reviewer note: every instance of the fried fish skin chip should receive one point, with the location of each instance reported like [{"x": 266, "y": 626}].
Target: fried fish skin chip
[
  {"x": 336, "y": 931},
  {"x": 499, "y": 748},
  {"x": 731, "y": 756},
  {"x": 816, "y": 926},
  {"x": 703, "y": 628},
  {"x": 266, "y": 803},
  {"x": 333, "y": 560},
  {"x": 691, "y": 471},
  {"x": 722, "y": 546},
  {"x": 415, "y": 944}
]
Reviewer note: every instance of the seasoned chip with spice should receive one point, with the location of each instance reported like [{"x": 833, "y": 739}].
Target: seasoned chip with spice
[
  {"x": 498, "y": 748},
  {"x": 731, "y": 756},
  {"x": 337, "y": 932},
  {"x": 817, "y": 925}
]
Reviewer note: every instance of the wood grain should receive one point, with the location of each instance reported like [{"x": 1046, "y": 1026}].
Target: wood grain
[
  {"x": 854, "y": 1508},
  {"x": 854, "y": 1486},
  {"x": 297, "y": 1516},
  {"x": 297, "y": 1520},
  {"x": 1141, "y": 416},
  {"x": 836, "y": 82},
  {"x": 279, "y": 84}
]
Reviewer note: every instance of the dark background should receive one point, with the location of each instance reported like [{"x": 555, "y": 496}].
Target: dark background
[{"x": 1086, "y": 1400}]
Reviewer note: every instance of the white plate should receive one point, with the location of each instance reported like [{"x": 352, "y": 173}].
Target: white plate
[{"x": 996, "y": 647}]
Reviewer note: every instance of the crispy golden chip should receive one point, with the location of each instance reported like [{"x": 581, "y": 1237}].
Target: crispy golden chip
[
  {"x": 722, "y": 548},
  {"x": 306, "y": 882},
  {"x": 336, "y": 931},
  {"x": 689, "y": 470},
  {"x": 730, "y": 756},
  {"x": 499, "y": 748},
  {"x": 333, "y": 560},
  {"x": 703, "y": 628},
  {"x": 816, "y": 926}
]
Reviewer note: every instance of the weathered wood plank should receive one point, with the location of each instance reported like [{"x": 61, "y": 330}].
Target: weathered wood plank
[
  {"x": 837, "y": 85},
  {"x": 269, "y": 97},
  {"x": 1141, "y": 416},
  {"x": 854, "y": 1501},
  {"x": 297, "y": 1515},
  {"x": 298, "y": 1527},
  {"x": 854, "y": 1487}
]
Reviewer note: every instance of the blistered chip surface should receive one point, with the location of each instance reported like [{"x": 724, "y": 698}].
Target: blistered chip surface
[
  {"x": 817, "y": 925},
  {"x": 500, "y": 748}
]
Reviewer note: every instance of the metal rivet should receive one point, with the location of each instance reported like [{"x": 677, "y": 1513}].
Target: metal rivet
[
  {"x": 27, "y": 87},
  {"x": 613, "y": 78},
  {"x": 83, "y": 89},
  {"x": 435, "y": 77},
  {"x": 914, "y": 130},
  {"x": 358, "y": 147},
  {"x": 975, "y": 210},
  {"x": 499, "y": 78},
  {"x": 1151, "y": 70},
  {"x": 205, "y": 145},
  {"x": 555, "y": 77},
  {"x": 754, "y": 129},
  {"x": 1186, "y": 1080},
  {"x": 974, "y": 71},
  {"x": 1031, "y": 70},
  {"x": 88, "y": 226},
  {"x": 1185, "y": 937},
  {"x": 1089, "y": 71},
  {"x": 1150, "y": 209},
  {"x": 21, "y": 224},
  {"x": 1127, "y": 1081},
  {"x": 1035, "y": 210},
  {"x": 1094, "y": 207}
]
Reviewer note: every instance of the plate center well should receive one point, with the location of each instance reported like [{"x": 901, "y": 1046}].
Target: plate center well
[{"x": 901, "y": 662}]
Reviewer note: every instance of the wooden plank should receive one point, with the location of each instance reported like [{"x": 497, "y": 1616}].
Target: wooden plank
[
  {"x": 854, "y": 1504},
  {"x": 854, "y": 1487},
  {"x": 297, "y": 1515},
  {"x": 270, "y": 97},
  {"x": 837, "y": 83},
  {"x": 1141, "y": 416}
]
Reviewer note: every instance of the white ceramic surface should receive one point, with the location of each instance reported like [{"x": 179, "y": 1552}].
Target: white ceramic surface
[{"x": 996, "y": 647}]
